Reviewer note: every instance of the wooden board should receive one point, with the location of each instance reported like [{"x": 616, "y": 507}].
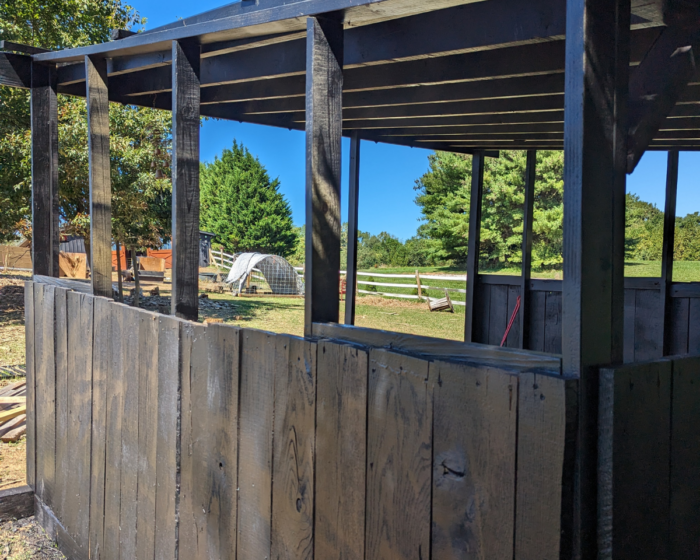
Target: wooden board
[
  {"x": 498, "y": 314},
  {"x": 538, "y": 302},
  {"x": 648, "y": 323},
  {"x": 29, "y": 338},
  {"x": 72, "y": 265},
  {"x": 513, "y": 340},
  {"x": 79, "y": 422},
  {"x": 262, "y": 356},
  {"x": 552, "y": 323},
  {"x": 629, "y": 314},
  {"x": 474, "y": 456},
  {"x": 13, "y": 436},
  {"x": 293, "y": 455},
  {"x": 694, "y": 326},
  {"x": 341, "y": 451},
  {"x": 16, "y": 503},
  {"x": 684, "y": 518},
  {"x": 101, "y": 373},
  {"x": 168, "y": 440},
  {"x": 147, "y": 370},
  {"x": 15, "y": 257},
  {"x": 46, "y": 392},
  {"x": 113, "y": 445},
  {"x": 130, "y": 434},
  {"x": 14, "y": 424},
  {"x": 63, "y": 446},
  {"x": 542, "y": 420},
  {"x": 680, "y": 313},
  {"x": 399, "y": 457}
]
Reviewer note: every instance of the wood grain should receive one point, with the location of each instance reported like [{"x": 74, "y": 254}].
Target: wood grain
[
  {"x": 474, "y": 451},
  {"x": 474, "y": 238},
  {"x": 294, "y": 453},
  {"x": 63, "y": 452},
  {"x": 29, "y": 337},
  {"x": 341, "y": 451},
  {"x": 399, "y": 457},
  {"x": 16, "y": 503},
  {"x": 147, "y": 414},
  {"x": 353, "y": 208},
  {"x": 262, "y": 356}
]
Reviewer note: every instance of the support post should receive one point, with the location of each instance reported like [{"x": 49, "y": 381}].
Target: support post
[
  {"x": 354, "y": 194},
  {"x": 185, "y": 177},
  {"x": 100, "y": 183},
  {"x": 324, "y": 87},
  {"x": 595, "y": 120},
  {"x": 667, "y": 250},
  {"x": 474, "y": 242},
  {"x": 528, "y": 210},
  {"x": 45, "y": 233}
]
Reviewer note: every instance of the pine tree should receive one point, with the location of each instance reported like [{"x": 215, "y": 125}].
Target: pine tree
[{"x": 243, "y": 207}]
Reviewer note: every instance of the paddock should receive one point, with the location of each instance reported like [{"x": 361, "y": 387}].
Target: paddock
[{"x": 153, "y": 436}]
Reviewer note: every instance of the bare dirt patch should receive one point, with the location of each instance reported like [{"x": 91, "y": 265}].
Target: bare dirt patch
[{"x": 24, "y": 539}]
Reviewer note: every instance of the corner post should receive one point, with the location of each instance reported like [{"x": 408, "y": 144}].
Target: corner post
[
  {"x": 44, "y": 109},
  {"x": 528, "y": 210},
  {"x": 474, "y": 242},
  {"x": 669, "y": 238},
  {"x": 351, "y": 293},
  {"x": 185, "y": 178},
  {"x": 595, "y": 128},
  {"x": 324, "y": 123},
  {"x": 100, "y": 183}
]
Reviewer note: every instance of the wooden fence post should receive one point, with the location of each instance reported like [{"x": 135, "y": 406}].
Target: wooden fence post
[
  {"x": 185, "y": 271},
  {"x": 474, "y": 242},
  {"x": 324, "y": 115},
  {"x": 668, "y": 241},
  {"x": 526, "y": 273},
  {"x": 45, "y": 233},
  {"x": 420, "y": 291},
  {"x": 100, "y": 183},
  {"x": 351, "y": 277}
]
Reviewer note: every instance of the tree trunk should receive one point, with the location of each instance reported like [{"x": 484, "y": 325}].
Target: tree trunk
[{"x": 135, "y": 264}]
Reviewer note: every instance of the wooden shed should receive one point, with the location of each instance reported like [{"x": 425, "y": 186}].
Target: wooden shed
[{"x": 578, "y": 441}]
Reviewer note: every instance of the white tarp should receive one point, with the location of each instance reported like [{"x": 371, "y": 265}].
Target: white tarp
[{"x": 279, "y": 274}]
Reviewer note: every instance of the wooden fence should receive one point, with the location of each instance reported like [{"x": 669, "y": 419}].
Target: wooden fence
[{"x": 152, "y": 437}]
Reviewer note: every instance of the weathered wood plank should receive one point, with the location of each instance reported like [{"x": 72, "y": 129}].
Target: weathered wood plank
[
  {"x": 147, "y": 433},
  {"x": 16, "y": 503},
  {"x": 498, "y": 314},
  {"x": 541, "y": 446},
  {"x": 57, "y": 532},
  {"x": 353, "y": 208},
  {"x": 681, "y": 326},
  {"x": 538, "y": 303},
  {"x": 294, "y": 453},
  {"x": 399, "y": 457},
  {"x": 684, "y": 520},
  {"x": 474, "y": 242},
  {"x": 15, "y": 70},
  {"x": 526, "y": 272},
  {"x": 639, "y": 428},
  {"x": 669, "y": 233},
  {"x": 63, "y": 366},
  {"x": 262, "y": 356},
  {"x": 629, "y": 317},
  {"x": 341, "y": 450},
  {"x": 514, "y": 339},
  {"x": 648, "y": 324},
  {"x": 474, "y": 452},
  {"x": 552, "y": 323},
  {"x": 482, "y": 307},
  {"x": 45, "y": 392},
  {"x": 99, "y": 168},
  {"x": 44, "y": 109},
  {"x": 694, "y": 326},
  {"x": 130, "y": 434},
  {"x": 101, "y": 373},
  {"x": 113, "y": 434},
  {"x": 324, "y": 128},
  {"x": 168, "y": 440},
  {"x": 29, "y": 337},
  {"x": 185, "y": 173},
  {"x": 79, "y": 426}
]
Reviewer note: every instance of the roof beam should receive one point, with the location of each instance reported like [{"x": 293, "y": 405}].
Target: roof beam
[{"x": 15, "y": 70}]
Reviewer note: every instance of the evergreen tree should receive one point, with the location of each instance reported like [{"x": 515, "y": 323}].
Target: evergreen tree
[{"x": 243, "y": 207}]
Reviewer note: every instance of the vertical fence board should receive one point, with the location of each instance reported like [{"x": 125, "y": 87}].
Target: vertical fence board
[
  {"x": 685, "y": 467},
  {"x": 45, "y": 393},
  {"x": 63, "y": 367},
  {"x": 513, "y": 340},
  {"x": 218, "y": 480},
  {"x": 482, "y": 305},
  {"x": 541, "y": 446},
  {"x": 341, "y": 450},
  {"x": 498, "y": 314},
  {"x": 31, "y": 381},
  {"x": 79, "y": 428},
  {"x": 101, "y": 372},
  {"x": 399, "y": 457},
  {"x": 113, "y": 445},
  {"x": 680, "y": 326},
  {"x": 693, "y": 326},
  {"x": 147, "y": 433},
  {"x": 168, "y": 439},
  {"x": 629, "y": 313},
  {"x": 260, "y": 359},
  {"x": 130, "y": 435},
  {"x": 473, "y": 462},
  {"x": 538, "y": 302},
  {"x": 293, "y": 458},
  {"x": 552, "y": 323},
  {"x": 648, "y": 323},
  {"x": 194, "y": 488}
]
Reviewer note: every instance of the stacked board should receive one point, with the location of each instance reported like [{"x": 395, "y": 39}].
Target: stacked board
[{"x": 13, "y": 411}]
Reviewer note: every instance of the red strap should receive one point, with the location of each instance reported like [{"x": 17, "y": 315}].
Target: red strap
[{"x": 512, "y": 320}]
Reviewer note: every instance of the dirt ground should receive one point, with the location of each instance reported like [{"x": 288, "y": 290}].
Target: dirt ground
[{"x": 24, "y": 539}]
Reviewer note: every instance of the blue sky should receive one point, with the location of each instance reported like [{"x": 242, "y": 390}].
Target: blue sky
[{"x": 387, "y": 173}]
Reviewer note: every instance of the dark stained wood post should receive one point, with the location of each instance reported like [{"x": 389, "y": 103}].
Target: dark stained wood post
[
  {"x": 528, "y": 209},
  {"x": 354, "y": 195},
  {"x": 667, "y": 250},
  {"x": 185, "y": 172},
  {"x": 474, "y": 242},
  {"x": 597, "y": 78},
  {"x": 45, "y": 233},
  {"x": 324, "y": 87},
  {"x": 100, "y": 184}
]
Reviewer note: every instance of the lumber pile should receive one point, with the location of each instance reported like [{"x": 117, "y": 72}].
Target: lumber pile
[{"x": 13, "y": 411}]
